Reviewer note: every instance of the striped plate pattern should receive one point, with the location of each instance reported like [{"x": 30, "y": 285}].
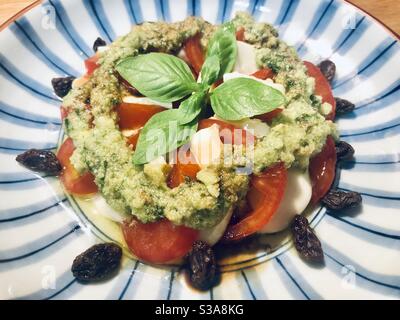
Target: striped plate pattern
[{"x": 40, "y": 232}]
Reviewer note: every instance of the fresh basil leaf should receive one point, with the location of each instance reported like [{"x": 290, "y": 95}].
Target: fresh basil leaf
[
  {"x": 159, "y": 76},
  {"x": 241, "y": 98},
  {"x": 161, "y": 134},
  {"x": 223, "y": 45},
  {"x": 210, "y": 70},
  {"x": 191, "y": 107}
]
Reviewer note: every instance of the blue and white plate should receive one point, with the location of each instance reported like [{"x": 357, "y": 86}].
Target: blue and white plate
[{"x": 41, "y": 230}]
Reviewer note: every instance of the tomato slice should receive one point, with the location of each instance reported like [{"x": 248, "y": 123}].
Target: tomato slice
[
  {"x": 322, "y": 87},
  {"x": 134, "y": 116},
  {"x": 269, "y": 116},
  {"x": 228, "y": 132},
  {"x": 264, "y": 197},
  {"x": 181, "y": 170},
  {"x": 71, "y": 179},
  {"x": 322, "y": 170},
  {"x": 240, "y": 34},
  {"x": 264, "y": 74},
  {"x": 160, "y": 241},
  {"x": 91, "y": 64},
  {"x": 194, "y": 52}
]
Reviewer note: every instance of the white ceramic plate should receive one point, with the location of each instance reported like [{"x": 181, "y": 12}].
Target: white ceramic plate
[{"x": 41, "y": 231}]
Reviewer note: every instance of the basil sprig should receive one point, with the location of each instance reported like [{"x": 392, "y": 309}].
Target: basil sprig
[
  {"x": 159, "y": 76},
  {"x": 166, "y": 78}
]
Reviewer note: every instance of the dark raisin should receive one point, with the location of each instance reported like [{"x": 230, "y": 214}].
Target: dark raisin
[
  {"x": 343, "y": 106},
  {"x": 99, "y": 42},
  {"x": 62, "y": 86},
  {"x": 40, "y": 160},
  {"x": 339, "y": 200},
  {"x": 202, "y": 266},
  {"x": 97, "y": 263},
  {"x": 305, "y": 240},
  {"x": 328, "y": 69},
  {"x": 344, "y": 151}
]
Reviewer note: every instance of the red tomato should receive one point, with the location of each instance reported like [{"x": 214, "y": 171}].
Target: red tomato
[
  {"x": 181, "y": 170},
  {"x": 91, "y": 64},
  {"x": 134, "y": 116},
  {"x": 238, "y": 134},
  {"x": 64, "y": 112},
  {"x": 322, "y": 87},
  {"x": 264, "y": 74},
  {"x": 240, "y": 34},
  {"x": 322, "y": 170},
  {"x": 194, "y": 52},
  {"x": 72, "y": 181},
  {"x": 264, "y": 197},
  {"x": 158, "y": 242},
  {"x": 269, "y": 116}
]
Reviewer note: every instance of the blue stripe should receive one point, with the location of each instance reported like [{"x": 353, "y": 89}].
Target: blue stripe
[
  {"x": 318, "y": 17},
  {"x": 388, "y": 281},
  {"x": 131, "y": 12},
  {"x": 103, "y": 18},
  {"x": 16, "y": 213},
  {"x": 26, "y": 115},
  {"x": 96, "y": 14},
  {"x": 370, "y": 192},
  {"x": 389, "y": 100},
  {"x": 163, "y": 10},
  {"x": 29, "y": 184},
  {"x": 68, "y": 30},
  {"x": 67, "y": 286},
  {"x": 135, "y": 12},
  {"x": 288, "y": 16},
  {"x": 65, "y": 280},
  {"x": 342, "y": 43},
  {"x": 380, "y": 202},
  {"x": 377, "y": 159},
  {"x": 221, "y": 10},
  {"x": 5, "y": 181},
  {"x": 227, "y": 11},
  {"x": 392, "y": 89},
  {"x": 377, "y": 55},
  {"x": 367, "y": 167},
  {"x": 128, "y": 283},
  {"x": 381, "y": 133},
  {"x": 10, "y": 118},
  {"x": 378, "y": 128},
  {"x": 292, "y": 278},
  {"x": 254, "y": 7},
  {"x": 39, "y": 245},
  {"x": 171, "y": 281},
  {"x": 361, "y": 281},
  {"x": 24, "y": 32},
  {"x": 196, "y": 7},
  {"x": 365, "y": 226},
  {"x": 25, "y": 145},
  {"x": 253, "y": 296},
  {"x": 6, "y": 217},
  {"x": 35, "y": 87}
]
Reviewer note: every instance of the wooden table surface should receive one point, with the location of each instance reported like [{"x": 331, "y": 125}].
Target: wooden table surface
[{"x": 388, "y": 11}]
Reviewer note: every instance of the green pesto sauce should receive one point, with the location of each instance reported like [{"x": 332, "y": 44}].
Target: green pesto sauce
[{"x": 297, "y": 134}]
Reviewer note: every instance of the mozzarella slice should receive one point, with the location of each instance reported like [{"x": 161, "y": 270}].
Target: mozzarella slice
[
  {"x": 296, "y": 199},
  {"x": 102, "y": 208},
  {"x": 144, "y": 100},
  {"x": 206, "y": 146},
  {"x": 212, "y": 235},
  {"x": 246, "y": 58}
]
